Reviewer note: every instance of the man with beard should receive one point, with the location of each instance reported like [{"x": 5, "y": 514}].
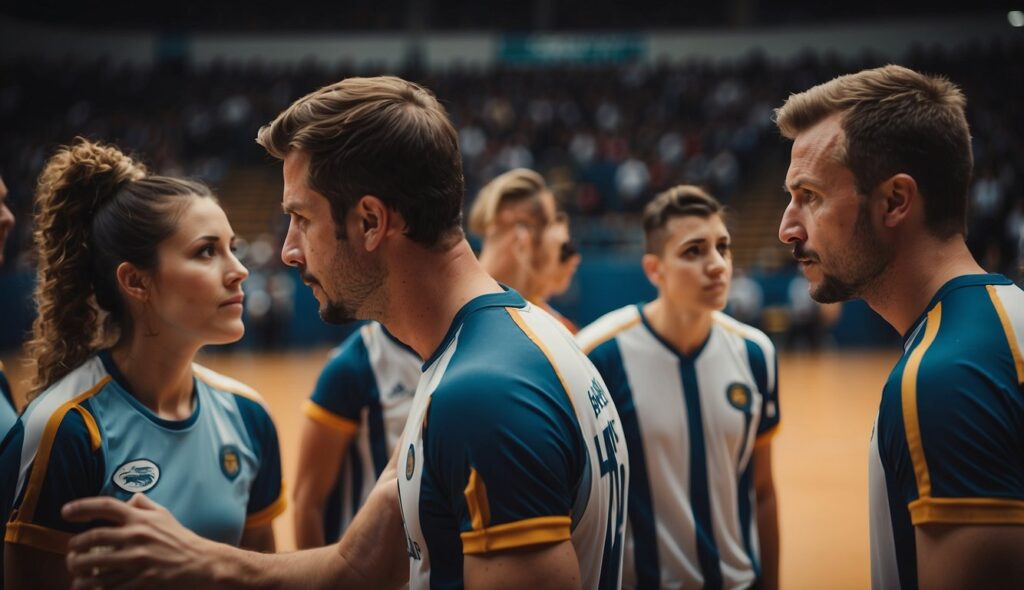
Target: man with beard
[
  {"x": 512, "y": 470},
  {"x": 878, "y": 180}
]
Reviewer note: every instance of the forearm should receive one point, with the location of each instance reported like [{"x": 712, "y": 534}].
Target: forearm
[
  {"x": 309, "y": 529},
  {"x": 768, "y": 535},
  {"x": 233, "y": 568}
]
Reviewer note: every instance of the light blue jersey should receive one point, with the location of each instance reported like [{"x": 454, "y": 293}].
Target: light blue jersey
[
  {"x": 218, "y": 471},
  {"x": 8, "y": 415},
  {"x": 366, "y": 390},
  {"x": 512, "y": 441},
  {"x": 948, "y": 443},
  {"x": 691, "y": 425}
]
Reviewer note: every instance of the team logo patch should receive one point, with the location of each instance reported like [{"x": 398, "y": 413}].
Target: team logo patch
[
  {"x": 410, "y": 462},
  {"x": 738, "y": 395},
  {"x": 140, "y": 475},
  {"x": 230, "y": 461}
]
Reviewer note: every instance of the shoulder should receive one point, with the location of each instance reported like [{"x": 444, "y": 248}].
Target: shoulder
[
  {"x": 351, "y": 357},
  {"x": 251, "y": 405},
  {"x": 749, "y": 334},
  {"x": 607, "y": 327}
]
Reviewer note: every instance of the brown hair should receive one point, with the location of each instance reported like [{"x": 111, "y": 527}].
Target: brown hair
[
  {"x": 95, "y": 208},
  {"x": 896, "y": 121},
  {"x": 515, "y": 186},
  {"x": 682, "y": 200},
  {"x": 380, "y": 136}
]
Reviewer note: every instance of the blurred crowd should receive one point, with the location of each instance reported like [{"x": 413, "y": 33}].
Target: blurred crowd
[{"x": 607, "y": 138}]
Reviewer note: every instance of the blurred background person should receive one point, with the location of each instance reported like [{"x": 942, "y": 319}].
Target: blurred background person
[
  {"x": 8, "y": 409},
  {"x": 697, "y": 392},
  {"x": 353, "y": 421}
]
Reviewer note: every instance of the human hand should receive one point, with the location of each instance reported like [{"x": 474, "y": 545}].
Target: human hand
[{"x": 147, "y": 547}]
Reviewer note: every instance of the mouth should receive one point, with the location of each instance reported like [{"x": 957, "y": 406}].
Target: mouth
[
  {"x": 719, "y": 286},
  {"x": 233, "y": 301}
]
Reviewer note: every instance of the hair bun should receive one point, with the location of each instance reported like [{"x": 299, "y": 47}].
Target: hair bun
[{"x": 89, "y": 169}]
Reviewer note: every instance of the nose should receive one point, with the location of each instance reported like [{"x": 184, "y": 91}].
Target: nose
[
  {"x": 238, "y": 272},
  {"x": 6, "y": 217},
  {"x": 717, "y": 264},
  {"x": 791, "y": 228},
  {"x": 291, "y": 251}
]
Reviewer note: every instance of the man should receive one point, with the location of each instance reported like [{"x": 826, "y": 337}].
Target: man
[
  {"x": 698, "y": 396},
  {"x": 512, "y": 469},
  {"x": 522, "y": 235},
  {"x": 353, "y": 422},
  {"x": 878, "y": 181},
  {"x": 8, "y": 413}
]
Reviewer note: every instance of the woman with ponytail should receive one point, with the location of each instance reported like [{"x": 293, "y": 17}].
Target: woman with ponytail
[{"x": 136, "y": 274}]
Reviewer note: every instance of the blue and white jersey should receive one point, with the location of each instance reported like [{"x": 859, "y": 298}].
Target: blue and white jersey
[
  {"x": 8, "y": 413},
  {"x": 511, "y": 442},
  {"x": 948, "y": 442},
  {"x": 691, "y": 424},
  {"x": 218, "y": 471},
  {"x": 365, "y": 390}
]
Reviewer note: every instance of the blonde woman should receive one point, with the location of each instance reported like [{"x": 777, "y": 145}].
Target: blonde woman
[{"x": 136, "y": 273}]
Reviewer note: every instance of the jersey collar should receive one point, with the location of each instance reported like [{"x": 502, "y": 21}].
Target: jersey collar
[
  {"x": 509, "y": 298},
  {"x": 122, "y": 387},
  {"x": 950, "y": 286}
]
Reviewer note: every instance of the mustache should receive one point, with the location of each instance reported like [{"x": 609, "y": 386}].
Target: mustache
[{"x": 801, "y": 252}]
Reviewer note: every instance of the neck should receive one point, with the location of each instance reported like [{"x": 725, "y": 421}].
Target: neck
[
  {"x": 685, "y": 330},
  {"x": 498, "y": 260},
  {"x": 915, "y": 275},
  {"x": 158, "y": 373},
  {"x": 426, "y": 289}
]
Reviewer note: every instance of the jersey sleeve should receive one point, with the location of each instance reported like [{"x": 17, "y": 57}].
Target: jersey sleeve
[
  {"x": 503, "y": 462},
  {"x": 344, "y": 387},
  {"x": 952, "y": 438},
  {"x": 68, "y": 465},
  {"x": 764, "y": 364},
  {"x": 266, "y": 496}
]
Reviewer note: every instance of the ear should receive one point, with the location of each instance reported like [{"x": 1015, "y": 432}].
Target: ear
[
  {"x": 376, "y": 221},
  {"x": 899, "y": 199},
  {"x": 133, "y": 282},
  {"x": 652, "y": 268}
]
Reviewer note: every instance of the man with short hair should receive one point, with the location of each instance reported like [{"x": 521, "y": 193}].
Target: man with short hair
[
  {"x": 512, "y": 470},
  {"x": 697, "y": 392},
  {"x": 878, "y": 180}
]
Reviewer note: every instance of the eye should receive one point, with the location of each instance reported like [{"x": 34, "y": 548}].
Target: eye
[
  {"x": 724, "y": 248},
  {"x": 691, "y": 252},
  {"x": 207, "y": 251}
]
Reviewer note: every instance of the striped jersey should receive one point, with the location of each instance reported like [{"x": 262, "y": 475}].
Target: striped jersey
[
  {"x": 8, "y": 413},
  {"x": 365, "y": 390},
  {"x": 691, "y": 424},
  {"x": 217, "y": 471},
  {"x": 511, "y": 442},
  {"x": 948, "y": 442}
]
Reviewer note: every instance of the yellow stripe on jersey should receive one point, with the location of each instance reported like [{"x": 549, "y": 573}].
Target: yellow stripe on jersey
[
  {"x": 268, "y": 514},
  {"x": 967, "y": 511},
  {"x": 522, "y": 533},
  {"x": 39, "y": 466},
  {"x": 611, "y": 334},
  {"x": 90, "y": 424},
  {"x": 518, "y": 319},
  {"x": 224, "y": 383},
  {"x": 1011, "y": 336},
  {"x": 909, "y": 392},
  {"x": 768, "y": 436},
  {"x": 328, "y": 418},
  {"x": 476, "y": 501},
  {"x": 37, "y": 537}
]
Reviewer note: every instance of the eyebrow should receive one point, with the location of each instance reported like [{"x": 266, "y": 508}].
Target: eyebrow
[{"x": 212, "y": 239}]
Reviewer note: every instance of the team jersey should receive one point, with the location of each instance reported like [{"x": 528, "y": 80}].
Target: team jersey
[
  {"x": 691, "y": 424},
  {"x": 8, "y": 413},
  {"x": 364, "y": 390},
  {"x": 218, "y": 471},
  {"x": 511, "y": 442},
  {"x": 948, "y": 446}
]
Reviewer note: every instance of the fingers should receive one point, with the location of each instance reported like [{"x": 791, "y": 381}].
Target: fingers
[
  {"x": 143, "y": 501},
  {"x": 101, "y": 508}
]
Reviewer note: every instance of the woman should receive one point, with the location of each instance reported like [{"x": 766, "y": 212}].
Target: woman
[{"x": 136, "y": 274}]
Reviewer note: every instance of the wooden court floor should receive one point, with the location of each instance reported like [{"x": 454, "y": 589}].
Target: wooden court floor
[{"x": 828, "y": 403}]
